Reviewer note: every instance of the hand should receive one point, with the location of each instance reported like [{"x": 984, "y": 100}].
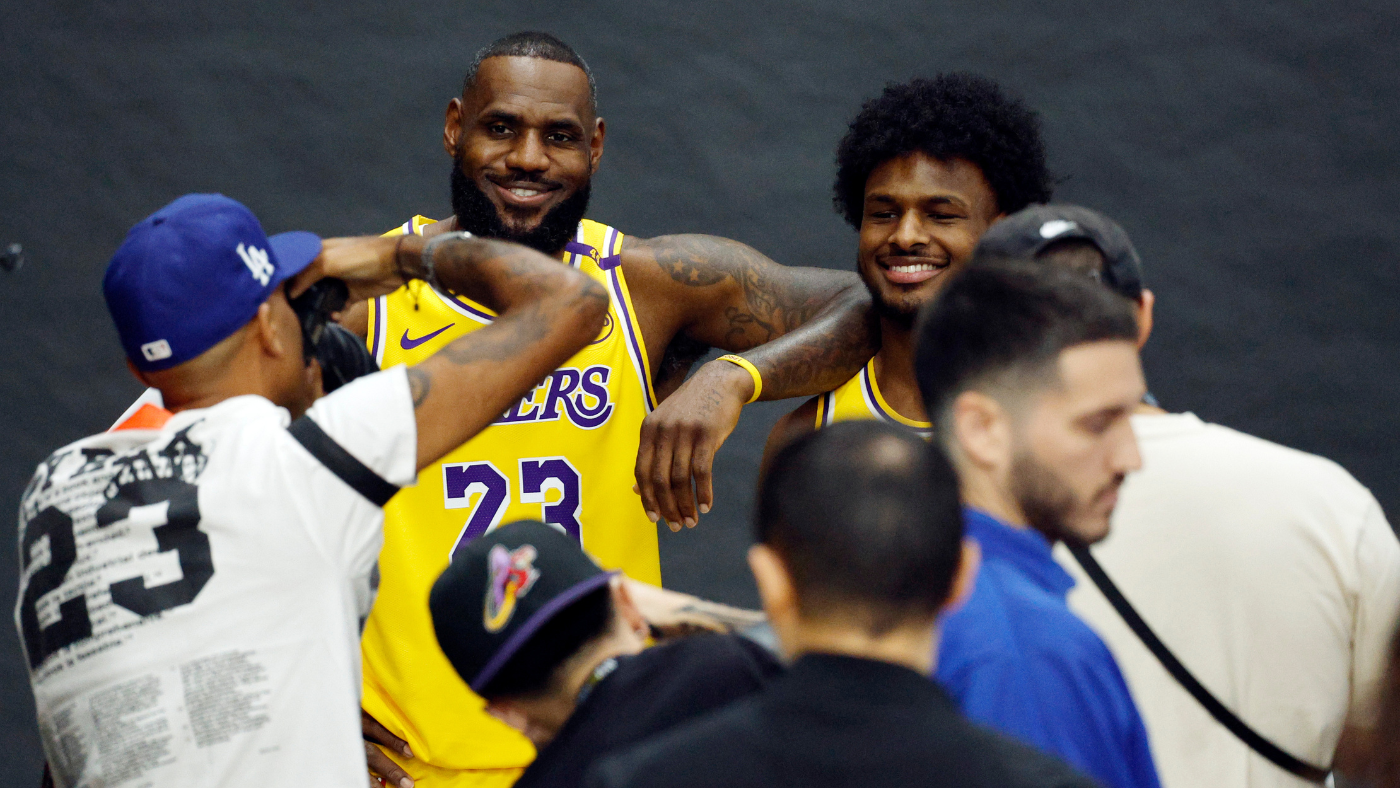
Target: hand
[
  {"x": 679, "y": 441},
  {"x": 365, "y": 263},
  {"x": 673, "y": 614},
  {"x": 382, "y": 769}
]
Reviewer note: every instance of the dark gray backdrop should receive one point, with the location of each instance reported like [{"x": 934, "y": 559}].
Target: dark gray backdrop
[{"x": 1248, "y": 150}]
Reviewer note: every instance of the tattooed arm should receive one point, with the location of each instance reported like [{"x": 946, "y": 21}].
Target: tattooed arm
[
  {"x": 807, "y": 330},
  {"x": 547, "y": 313}
]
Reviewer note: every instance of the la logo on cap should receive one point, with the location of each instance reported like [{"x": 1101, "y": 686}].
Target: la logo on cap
[
  {"x": 157, "y": 350},
  {"x": 257, "y": 262}
]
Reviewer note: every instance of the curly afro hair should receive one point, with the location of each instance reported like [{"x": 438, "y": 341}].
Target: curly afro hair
[{"x": 952, "y": 116}]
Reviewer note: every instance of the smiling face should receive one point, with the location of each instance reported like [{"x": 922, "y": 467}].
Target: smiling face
[
  {"x": 525, "y": 143},
  {"x": 922, "y": 219},
  {"x": 1074, "y": 443}
]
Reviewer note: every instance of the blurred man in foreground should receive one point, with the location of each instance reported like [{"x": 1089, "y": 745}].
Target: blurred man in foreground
[
  {"x": 1271, "y": 574},
  {"x": 860, "y": 548},
  {"x": 554, "y": 644},
  {"x": 1030, "y": 374}
]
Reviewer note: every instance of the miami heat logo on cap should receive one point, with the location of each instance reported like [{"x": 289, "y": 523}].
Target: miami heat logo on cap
[{"x": 512, "y": 573}]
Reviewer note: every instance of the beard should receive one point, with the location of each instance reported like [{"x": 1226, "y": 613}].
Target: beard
[
  {"x": 477, "y": 215},
  {"x": 1048, "y": 502},
  {"x": 901, "y": 313}
]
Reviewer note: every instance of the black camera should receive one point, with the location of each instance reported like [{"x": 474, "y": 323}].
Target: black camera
[{"x": 342, "y": 355}]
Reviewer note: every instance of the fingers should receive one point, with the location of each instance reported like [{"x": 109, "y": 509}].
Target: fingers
[
  {"x": 308, "y": 277},
  {"x": 702, "y": 461},
  {"x": 373, "y": 731},
  {"x": 682, "y": 495},
  {"x": 646, "y": 453},
  {"x": 382, "y": 765},
  {"x": 659, "y": 476}
]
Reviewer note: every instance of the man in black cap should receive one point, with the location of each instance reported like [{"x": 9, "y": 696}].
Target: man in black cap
[
  {"x": 1301, "y": 551},
  {"x": 556, "y": 647},
  {"x": 860, "y": 548}
]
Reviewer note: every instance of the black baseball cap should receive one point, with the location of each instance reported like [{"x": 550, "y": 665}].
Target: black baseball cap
[
  {"x": 1028, "y": 232},
  {"x": 501, "y": 588}
]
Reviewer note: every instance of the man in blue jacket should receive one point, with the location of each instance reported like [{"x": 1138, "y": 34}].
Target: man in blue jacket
[{"x": 1029, "y": 375}]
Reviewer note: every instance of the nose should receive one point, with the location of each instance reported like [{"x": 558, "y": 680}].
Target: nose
[
  {"x": 1128, "y": 457},
  {"x": 911, "y": 233},
  {"x": 528, "y": 154}
]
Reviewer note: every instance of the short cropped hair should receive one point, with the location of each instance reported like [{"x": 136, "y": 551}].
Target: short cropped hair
[
  {"x": 952, "y": 116},
  {"x": 865, "y": 516},
  {"x": 532, "y": 43},
  {"x": 534, "y": 669},
  {"x": 1002, "y": 325}
]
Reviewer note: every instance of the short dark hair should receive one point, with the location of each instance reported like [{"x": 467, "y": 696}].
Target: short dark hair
[
  {"x": 1005, "y": 318},
  {"x": 952, "y": 116},
  {"x": 533, "y": 668},
  {"x": 532, "y": 43},
  {"x": 865, "y": 516}
]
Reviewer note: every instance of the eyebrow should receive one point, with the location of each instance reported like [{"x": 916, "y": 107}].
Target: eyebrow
[
  {"x": 496, "y": 115},
  {"x": 941, "y": 199}
]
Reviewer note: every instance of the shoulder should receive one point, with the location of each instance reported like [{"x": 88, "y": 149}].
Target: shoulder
[
  {"x": 711, "y": 668},
  {"x": 794, "y": 425},
  {"x": 1010, "y": 627},
  {"x": 1248, "y": 455},
  {"x": 1020, "y": 765},
  {"x": 1221, "y": 466},
  {"x": 688, "y": 754},
  {"x": 675, "y": 262},
  {"x": 372, "y": 417}
]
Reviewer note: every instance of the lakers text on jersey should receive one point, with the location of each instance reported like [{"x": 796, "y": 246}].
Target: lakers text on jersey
[{"x": 563, "y": 454}]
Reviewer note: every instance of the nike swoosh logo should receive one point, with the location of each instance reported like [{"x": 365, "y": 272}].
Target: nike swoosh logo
[{"x": 408, "y": 344}]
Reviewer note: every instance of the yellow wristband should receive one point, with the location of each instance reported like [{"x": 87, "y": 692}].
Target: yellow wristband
[{"x": 751, "y": 369}]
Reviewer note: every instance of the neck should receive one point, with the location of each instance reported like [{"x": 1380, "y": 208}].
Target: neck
[
  {"x": 894, "y": 370},
  {"x": 980, "y": 491},
  {"x": 913, "y": 646},
  {"x": 546, "y": 715}
]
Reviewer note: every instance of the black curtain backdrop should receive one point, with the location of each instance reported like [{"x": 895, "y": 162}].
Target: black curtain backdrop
[{"x": 1248, "y": 148}]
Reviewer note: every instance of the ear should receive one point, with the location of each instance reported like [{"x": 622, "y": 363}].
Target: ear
[
  {"x": 775, "y": 586},
  {"x": 627, "y": 609},
  {"x": 509, "y": 713},
  {"x": 1144, "y": 315},
  {"x": 141, "y": 376},
  {"x": 452, "y": 127},
  {"x": 265, "y": 329},
  {"x": 966, "y": 576},
  {"x": 595, "y": 146},
  {"x": 982, "y": 428}
]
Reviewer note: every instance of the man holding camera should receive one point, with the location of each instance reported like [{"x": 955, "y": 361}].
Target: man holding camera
[{"x": 190, "y": 595}]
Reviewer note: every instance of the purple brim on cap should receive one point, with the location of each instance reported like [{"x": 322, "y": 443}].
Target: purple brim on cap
[
  {"x": 532, "y": 625},
  {"x": 294, "y": 251}
]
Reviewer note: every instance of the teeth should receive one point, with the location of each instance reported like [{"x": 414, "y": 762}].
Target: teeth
[
  {"x": 912, "y": 269},
  {"x": 519, "y": 192}
]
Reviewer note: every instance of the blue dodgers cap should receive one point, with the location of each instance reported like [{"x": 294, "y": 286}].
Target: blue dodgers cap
[{"x": 194, "y": 272}]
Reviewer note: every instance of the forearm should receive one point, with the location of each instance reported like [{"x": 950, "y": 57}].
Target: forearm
[
  {"x": 499, "y": 275},
  {"x": 822, "y": 353},
  {"x": 546, "y": 313}
]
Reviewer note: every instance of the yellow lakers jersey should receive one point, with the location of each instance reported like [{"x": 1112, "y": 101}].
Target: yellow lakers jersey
[
  {"x": 859, "y": 398},
  {"x": 563, "y": 454}
]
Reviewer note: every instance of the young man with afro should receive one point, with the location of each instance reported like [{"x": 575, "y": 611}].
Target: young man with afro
[{"x": 923, "y": 171}]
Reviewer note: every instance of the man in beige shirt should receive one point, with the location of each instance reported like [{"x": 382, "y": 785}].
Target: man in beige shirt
[{"x": 1270, "y": 573}]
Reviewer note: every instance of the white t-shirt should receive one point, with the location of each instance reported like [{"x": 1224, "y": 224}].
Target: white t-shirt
[
  {"x": 190, "y": 597},
  {"x": 1270, "y": 573}
]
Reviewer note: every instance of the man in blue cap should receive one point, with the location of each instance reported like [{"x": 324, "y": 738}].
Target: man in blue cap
[{"x": 191, "y": 593}]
